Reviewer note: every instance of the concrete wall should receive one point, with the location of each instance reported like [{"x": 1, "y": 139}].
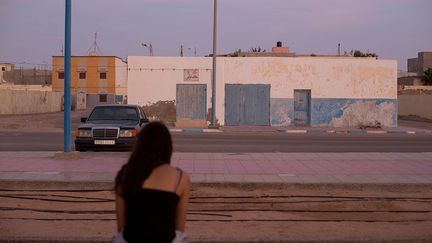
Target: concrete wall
[
  {"x": 93, "y": 100},
  {"x": 120, "y": 77},
  {"x": 26, "y": 87},
  {"x": 418, "y": 87},
  {"x": 416, "y": 105},
  {"x": 410, "y": 81},
  {"x": 153, "y": 79},
  {"x": 412, "y": 65},
  {"x": 424, "y": 61},
  {"x": 354, "y": 91},
  {"x": 420, "y": 64},
  {"x": 29, "y": 102}
]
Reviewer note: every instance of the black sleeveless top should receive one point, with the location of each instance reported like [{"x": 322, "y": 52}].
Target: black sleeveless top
[{"x": 150, "y": 215}]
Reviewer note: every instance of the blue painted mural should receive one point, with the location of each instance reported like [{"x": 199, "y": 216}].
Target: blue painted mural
[
  {"x": 281, "y": 111},
  {"x": 338, "y": 112}
]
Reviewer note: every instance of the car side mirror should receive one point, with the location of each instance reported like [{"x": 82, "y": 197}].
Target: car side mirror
[
  {"x": 83, "y": 119},
  {"x": 144, "y": 120}
]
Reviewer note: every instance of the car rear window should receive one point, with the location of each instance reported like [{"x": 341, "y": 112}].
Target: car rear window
[{"x": 114, "y": 113}]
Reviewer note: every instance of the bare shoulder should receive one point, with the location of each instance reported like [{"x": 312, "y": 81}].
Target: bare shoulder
[{"x": 184, "y": 182}]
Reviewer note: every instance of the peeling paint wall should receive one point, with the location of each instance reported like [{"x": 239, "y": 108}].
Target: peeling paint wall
[
  {"x": 339, "y": 112},
  {"x": 341, "y": 88},
  {"x": 354, "y": 112},
  {"x": 281, "y": 111}
]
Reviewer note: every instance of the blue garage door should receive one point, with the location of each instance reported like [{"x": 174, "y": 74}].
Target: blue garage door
[
  {"x": 302, "y": 104},
  {"x": 247, "y": 104},
  {"x": 191, "y": 101}
]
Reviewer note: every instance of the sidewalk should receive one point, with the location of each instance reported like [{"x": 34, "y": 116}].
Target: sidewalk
[{"x": 348, "y": 168}]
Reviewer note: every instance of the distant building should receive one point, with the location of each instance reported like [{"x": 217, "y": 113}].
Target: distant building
[
  {"x": 102, "y": 78},
  {"x": 408, "y": 78},
  {"x": 421, "y": 63},
  {"x": 6, "y": 73},
  {"x": 416, "y": 68}
]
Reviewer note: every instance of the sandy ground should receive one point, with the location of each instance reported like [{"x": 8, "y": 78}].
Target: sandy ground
[
  {"x": 233, "y": 213},
  {"x": 46, "y": 121}
]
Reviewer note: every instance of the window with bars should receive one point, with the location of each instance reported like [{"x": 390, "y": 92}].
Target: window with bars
[{"x": 102, "y": 98}]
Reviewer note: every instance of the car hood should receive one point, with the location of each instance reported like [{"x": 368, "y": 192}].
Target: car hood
[{"x": 120, "y": 124}]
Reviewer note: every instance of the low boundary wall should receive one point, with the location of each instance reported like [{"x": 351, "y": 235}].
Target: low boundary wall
[
  {"x": 29, "y": 102},
  {"x": 416, "y": 105}
]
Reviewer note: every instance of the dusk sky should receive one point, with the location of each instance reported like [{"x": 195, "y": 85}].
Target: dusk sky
[{"x": 33, "y": 31}]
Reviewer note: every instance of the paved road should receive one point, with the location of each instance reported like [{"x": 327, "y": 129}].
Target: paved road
[{"x": 246, "y": 142}]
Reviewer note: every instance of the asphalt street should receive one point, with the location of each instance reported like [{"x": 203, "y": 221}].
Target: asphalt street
[{"x": 246, "y": 142}]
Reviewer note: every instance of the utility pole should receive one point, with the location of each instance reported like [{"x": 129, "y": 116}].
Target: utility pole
[
  {"x": 213, "y": 115},
  {"x": 181, "y": 50},
  {"x": 339, "y": 49},
  {"x": 67, "y": 81}
]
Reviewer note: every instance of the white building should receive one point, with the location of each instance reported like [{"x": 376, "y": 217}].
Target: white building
[{"x": 276, "y": 91}]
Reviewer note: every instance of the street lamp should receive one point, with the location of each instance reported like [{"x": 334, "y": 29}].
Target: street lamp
[
  {"x": 213, "y": 115},
  {"x": 150, "y": 47},
  {"x": 195, "y": 50}
]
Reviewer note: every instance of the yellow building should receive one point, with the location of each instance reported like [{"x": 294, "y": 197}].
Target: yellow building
[{"x": 102, "y": 78}]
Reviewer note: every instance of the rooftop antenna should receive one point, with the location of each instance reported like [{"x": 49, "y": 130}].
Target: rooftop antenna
[
  {"x": 94, "y": 50},
  {"x": 150, "y": 47}
]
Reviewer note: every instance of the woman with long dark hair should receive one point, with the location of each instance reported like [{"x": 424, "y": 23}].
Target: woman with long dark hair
[{"x": 151, "y": 195}]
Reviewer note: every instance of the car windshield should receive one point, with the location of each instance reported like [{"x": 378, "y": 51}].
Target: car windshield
[{"x": 114, "y": 113}]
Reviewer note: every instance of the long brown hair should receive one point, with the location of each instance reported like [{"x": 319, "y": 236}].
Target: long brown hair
[{"x": 153, "y": 148}]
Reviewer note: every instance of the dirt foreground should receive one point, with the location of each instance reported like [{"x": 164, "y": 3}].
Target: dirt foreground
[{"x": 34, "y": 212}]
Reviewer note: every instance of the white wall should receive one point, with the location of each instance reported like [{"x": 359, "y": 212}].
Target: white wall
[
  {"x": 151, "y": 79},
  {"x": 120, "y": 77},
  {"x": 29, "y": 102},
  {"x": 326, "y": 77}
]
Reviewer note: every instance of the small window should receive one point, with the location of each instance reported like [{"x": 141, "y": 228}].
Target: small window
[
  {"x": 82, "y": 75},
  {"x": 102, "y": 75},
  {"x": 103, "y": 98},
  {"x": 3, "y": 68},
  {"x": 60, "y": 75}
]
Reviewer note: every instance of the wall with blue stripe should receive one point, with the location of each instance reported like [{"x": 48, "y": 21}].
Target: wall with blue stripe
[{"x": 338, "y": 112}]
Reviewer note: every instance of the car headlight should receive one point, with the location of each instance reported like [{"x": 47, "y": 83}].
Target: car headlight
[
  {"x": 127, "y": 133},
  {"x": 84, "y": 133}
]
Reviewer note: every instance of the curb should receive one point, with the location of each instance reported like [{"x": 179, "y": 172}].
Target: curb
[
  {"x": 310, "y": 131},
  {"x": 195, "y": 130},
  {"x": 355, "y": 131}
]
